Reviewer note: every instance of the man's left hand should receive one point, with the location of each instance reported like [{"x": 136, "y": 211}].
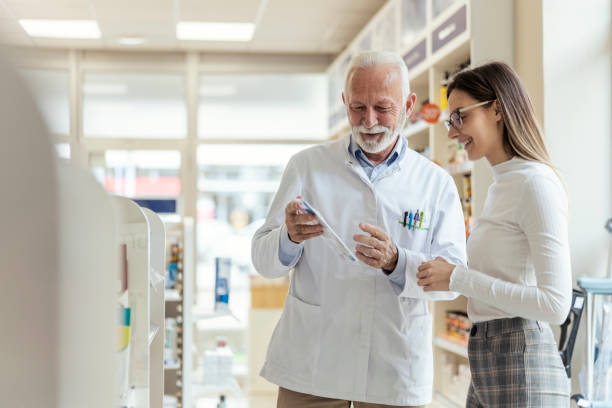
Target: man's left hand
[{"x": 378, "y": 250}]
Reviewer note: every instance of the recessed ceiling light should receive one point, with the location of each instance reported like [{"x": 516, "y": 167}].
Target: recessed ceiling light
[
  {"x": 133, "y": 40},
  {"x": 76, "y": 29},
  {"x": 200, "y": 31}
]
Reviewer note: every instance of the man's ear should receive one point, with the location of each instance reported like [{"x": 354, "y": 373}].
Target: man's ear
[
  {"x": 343, "y": 100},
  {"x": 410, "y": 103}
]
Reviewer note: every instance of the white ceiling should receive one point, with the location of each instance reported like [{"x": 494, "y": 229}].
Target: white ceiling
[{"x": 282, "y": 26}]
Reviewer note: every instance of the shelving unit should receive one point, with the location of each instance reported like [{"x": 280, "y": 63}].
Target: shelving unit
[
  {"x": 435, "y": 37},
  {"x": 143, "y": 234},
  {"x": 178, "y": 306}
]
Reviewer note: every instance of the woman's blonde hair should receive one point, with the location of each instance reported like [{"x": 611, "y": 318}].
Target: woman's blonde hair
[{"x": 522, "y": 134}]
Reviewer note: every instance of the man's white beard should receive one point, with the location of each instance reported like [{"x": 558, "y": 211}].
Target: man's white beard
[{"x": 373, "y": 146}]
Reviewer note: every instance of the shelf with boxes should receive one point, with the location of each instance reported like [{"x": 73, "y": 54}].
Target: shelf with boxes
[{"x": 178, "y": 311}]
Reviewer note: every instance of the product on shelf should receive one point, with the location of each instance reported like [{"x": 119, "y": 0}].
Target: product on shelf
[
  {"x": 443, "y": 89},
  {"x": 123, "y": 348},
  {"x": 458, "y": 326},
  {"x": 171, "y": 346},
  {"x": 174, "y": 265},
  {"x": 223, "y": 268},
  {"x": 123, "y": 277},
  {"x": 217, "y": 364}
]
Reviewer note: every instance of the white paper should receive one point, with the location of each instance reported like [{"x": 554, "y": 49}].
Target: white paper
[{"x": 331, "y": 235}]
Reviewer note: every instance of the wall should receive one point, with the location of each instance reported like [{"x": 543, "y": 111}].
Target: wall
[
  {"x": 577, "y": 78},
  {"x": 528, "y": 53}
]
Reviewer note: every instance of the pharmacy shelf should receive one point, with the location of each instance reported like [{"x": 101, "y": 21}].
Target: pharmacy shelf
[
  {"x": 172, "y": 366},
  {"x": 416, "y": 128},
  {"x": 172, "y": 295},
  {"x": 178, "y": 305},
  {"x": 442, "y": 400},
  {"x": 212, "y": 314},
  {"x": 229, "y": 387},
  {"x": 450, "y": 346},
  {"x": 143, "y": 234},
  {"x": 460, "y": 169}
]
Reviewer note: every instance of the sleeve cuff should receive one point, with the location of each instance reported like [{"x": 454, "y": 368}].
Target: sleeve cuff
[
  {"x": 288, "y": 251},
  {"x": 458, "y": 279},
  {"x": 398, "y": 275}
]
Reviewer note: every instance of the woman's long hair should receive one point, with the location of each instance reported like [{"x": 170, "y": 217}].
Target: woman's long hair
[{"x": 522, "y": 134}]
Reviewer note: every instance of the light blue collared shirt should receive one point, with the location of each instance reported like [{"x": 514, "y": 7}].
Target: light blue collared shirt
[{"x": 289, "y": 252}]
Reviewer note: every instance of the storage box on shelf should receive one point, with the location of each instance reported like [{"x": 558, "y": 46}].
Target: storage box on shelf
[{"x": 437, "y": 38}]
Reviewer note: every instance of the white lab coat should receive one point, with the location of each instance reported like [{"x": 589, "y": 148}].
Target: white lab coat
[{"x": 345, "y": 333}]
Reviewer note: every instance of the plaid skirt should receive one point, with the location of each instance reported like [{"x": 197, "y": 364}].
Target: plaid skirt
[{"x": 515, "y": 363}]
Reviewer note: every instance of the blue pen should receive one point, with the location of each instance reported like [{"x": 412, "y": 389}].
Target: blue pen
[
  {"x": 410, "y": 220},
  {"x": 416, "y": 219}
]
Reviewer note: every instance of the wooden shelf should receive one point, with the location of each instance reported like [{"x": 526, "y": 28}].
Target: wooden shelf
[
  {"x": 451, "y": 346},
  {"x": 172, "y": 295},
  {"x": 416, "y": 128}
]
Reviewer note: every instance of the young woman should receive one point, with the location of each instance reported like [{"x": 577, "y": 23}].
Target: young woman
[{"x": 518, "y": 278}]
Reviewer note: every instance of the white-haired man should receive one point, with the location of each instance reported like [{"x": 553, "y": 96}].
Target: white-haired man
[{"x": 359, "y": 332}]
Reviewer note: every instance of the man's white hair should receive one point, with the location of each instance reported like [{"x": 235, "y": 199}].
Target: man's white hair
[{"x": 370, "y": 59}]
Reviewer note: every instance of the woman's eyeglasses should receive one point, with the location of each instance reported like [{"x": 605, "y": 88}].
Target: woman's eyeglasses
[{"x": 454, "y": 118}]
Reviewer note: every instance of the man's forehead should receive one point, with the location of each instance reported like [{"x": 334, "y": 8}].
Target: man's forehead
[
  {"x": 384, "y": 74},
  {"x": 384, "y": 80}
]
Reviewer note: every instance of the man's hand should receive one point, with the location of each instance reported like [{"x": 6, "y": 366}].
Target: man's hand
[
  {"x": 301, "y": 225},
  {"x": 378, "y": 250},
  {"x": 435, "y": 275}
]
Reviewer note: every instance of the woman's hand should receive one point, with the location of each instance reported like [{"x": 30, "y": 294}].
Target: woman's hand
[{"x": 435, "y": 275}]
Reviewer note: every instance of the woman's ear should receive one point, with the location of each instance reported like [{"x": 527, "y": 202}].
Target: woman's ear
[{"x": 497, "y": 109}]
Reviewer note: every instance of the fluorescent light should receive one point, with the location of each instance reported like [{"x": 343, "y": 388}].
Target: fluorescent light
[
  {"x": 131, "y": 40},
  {"x": 192, "y": 30},
  {"x": 80, "y": 29}
]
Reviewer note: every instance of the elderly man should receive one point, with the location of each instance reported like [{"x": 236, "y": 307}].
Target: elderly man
[{"x": 359, "y": 331}]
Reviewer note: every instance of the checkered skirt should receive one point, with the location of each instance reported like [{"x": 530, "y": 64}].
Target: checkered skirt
[{"x": 515, "y": 363}]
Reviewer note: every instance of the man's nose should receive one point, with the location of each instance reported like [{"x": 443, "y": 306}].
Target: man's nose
[{"x": 370, "y": 119}]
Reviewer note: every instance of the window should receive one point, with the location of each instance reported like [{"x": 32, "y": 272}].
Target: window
[
  {"x": 134, "y": 105},
  {"x": 263, "y": 106},
  {"x": 139, "y": 173}
]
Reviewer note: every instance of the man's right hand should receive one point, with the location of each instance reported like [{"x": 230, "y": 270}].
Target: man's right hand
[{"x": 300, "y": 224}]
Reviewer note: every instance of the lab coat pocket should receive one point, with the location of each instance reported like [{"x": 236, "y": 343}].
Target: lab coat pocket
[
  {"x": 411, "y": 234},
  {"x": 418, "y": 348},
  {"x": 295, "y": 342}
]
